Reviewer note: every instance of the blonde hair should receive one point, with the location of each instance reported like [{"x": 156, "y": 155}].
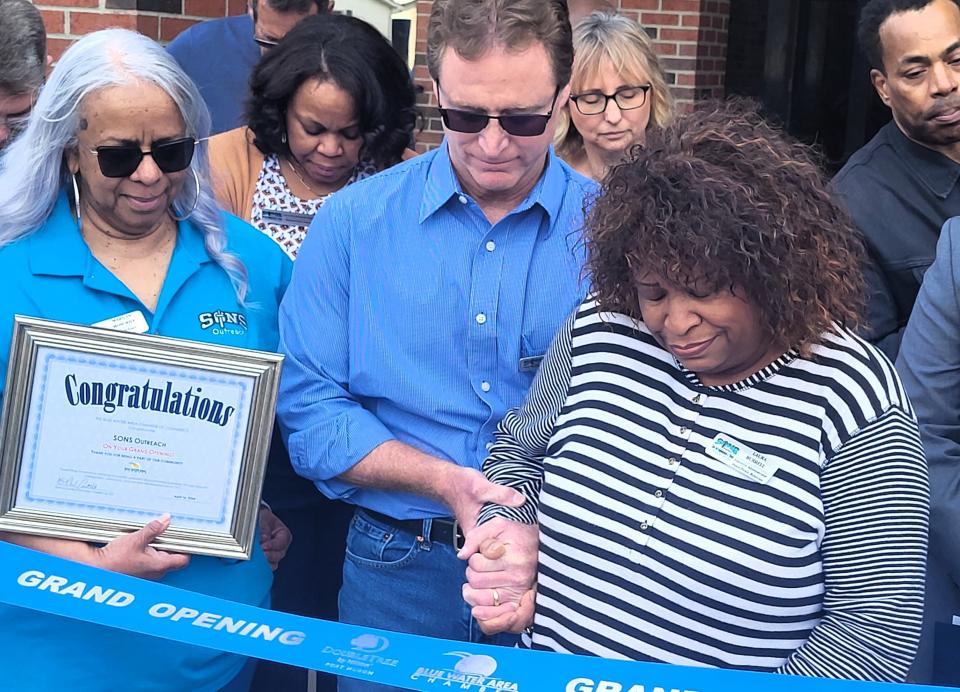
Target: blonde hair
[{"x": 604, "y": 36}]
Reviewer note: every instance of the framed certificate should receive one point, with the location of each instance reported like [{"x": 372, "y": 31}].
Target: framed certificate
[{"x": 104, "y": 430}]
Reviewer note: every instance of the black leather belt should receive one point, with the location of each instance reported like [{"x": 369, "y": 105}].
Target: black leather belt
[{"x": 442, "y": 530}]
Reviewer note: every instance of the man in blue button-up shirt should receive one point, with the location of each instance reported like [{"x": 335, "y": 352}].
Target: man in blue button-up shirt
[{"x": 421, "y": 304}]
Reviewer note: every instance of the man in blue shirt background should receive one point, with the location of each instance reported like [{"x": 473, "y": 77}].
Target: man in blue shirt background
[
  {"x": 421, "y": 304},
  {"x": 219, "y": 54}
]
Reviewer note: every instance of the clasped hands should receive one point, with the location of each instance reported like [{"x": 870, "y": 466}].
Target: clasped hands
[
  {"x": 501, "y": 554},
  {"x": 501, "y": 574}
]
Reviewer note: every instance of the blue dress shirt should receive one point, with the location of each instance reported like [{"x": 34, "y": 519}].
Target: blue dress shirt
[{"x": 410, "y": 317}]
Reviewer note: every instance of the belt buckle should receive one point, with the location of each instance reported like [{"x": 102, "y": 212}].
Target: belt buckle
[{"x": 458, "y": 538}]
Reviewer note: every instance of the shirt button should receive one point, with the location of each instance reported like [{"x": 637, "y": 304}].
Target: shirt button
[
  {"x": 659, "y": 493},
  {"x": 489, "y": 446},
  {"x": 644, "y": 526},
  {"x": 481, "y": 318},
  {"x": 485, "y": 386},
  {"x": 491, "y": 246},
  {"x": 463, "y": 199},
  {"x": 673, "y": 461},
  {"x": 697, "y": 398}
]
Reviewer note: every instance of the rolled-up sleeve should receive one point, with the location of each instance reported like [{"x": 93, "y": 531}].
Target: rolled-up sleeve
[{"x": 326, "y": 429}]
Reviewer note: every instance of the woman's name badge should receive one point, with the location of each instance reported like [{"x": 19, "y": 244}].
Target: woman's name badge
[
  {"x": 129, "y": 322},
  {"x": 740, "y": 458},
  {"x": 287, "y": 218}
]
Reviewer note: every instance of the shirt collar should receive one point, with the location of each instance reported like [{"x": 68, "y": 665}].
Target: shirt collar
[
  {"x": 938, "y": 172},
  {"x": 58, "y": 249},
  {"x": 442, "y": 185}
]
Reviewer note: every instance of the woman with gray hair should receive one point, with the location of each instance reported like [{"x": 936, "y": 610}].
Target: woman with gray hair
[
  {"x": 23, "y": 60},
  {"x": 106, "y": 212},
  {"x": 617, "y": 92}
]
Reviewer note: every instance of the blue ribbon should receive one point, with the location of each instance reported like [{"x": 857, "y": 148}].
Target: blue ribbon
[{"x": 38, "y": 581}]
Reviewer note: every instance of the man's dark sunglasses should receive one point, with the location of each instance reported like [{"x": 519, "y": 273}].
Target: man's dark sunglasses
[
  {"x": 520, "y": 125},
  {"x": 122, "y": 160}
]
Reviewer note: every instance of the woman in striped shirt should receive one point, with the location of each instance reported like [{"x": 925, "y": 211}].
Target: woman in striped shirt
[{"x": 720, "y": 471}]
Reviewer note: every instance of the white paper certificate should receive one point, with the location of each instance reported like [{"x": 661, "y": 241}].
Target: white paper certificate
[{"x": 143, "y": 439}]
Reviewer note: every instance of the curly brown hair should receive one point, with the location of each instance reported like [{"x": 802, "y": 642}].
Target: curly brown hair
[{"x": 722, "y": 198}]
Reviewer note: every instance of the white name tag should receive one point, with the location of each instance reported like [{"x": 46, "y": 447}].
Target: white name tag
[
  {"x": 745, "y": 461},
  {"x": 287, "y": 218},
  {"x": 956, "y": 620},
  {"x": 130, "y": 322}
]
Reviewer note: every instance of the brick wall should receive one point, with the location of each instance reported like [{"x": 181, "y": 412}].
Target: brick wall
[
  {"x": 690, "y": 37},
  {"x": 67, "y": 20}
]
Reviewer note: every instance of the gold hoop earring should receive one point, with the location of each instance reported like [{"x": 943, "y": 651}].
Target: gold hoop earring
[{"x": 196, "y": 199}]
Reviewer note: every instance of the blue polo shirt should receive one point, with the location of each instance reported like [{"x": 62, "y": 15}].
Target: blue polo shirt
[
  {"x": 52, "y": 274},
  {"x": 411, "y": 317}
]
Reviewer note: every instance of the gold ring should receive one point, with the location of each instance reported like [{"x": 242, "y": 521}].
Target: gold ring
[{"x": 496, "y": 598}]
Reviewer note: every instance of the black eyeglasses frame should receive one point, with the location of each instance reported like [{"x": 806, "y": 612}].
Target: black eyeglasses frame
[{"x": 615, "y": 97}]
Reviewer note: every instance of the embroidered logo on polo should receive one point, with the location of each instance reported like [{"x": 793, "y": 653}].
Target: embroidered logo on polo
[{"x": 223, "y": 322}]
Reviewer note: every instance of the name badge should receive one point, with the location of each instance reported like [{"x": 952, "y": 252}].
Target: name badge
[
  {"x": 530, "y": 364},
  {"x": 130, "y": 322},
  {"x": 287, "y": 218},
  {"x": 745, "y": 461}
]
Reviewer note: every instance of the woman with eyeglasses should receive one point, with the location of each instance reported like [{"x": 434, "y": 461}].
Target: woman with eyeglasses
[
  {"x": 107, "y": 216},
  {"x": 617, "y": 92},
  {"x": 330, "y": 104}
]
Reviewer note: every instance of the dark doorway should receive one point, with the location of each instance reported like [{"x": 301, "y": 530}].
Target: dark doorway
[{"x": 800, "y": 59}]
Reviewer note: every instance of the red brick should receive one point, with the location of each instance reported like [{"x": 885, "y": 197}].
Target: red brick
[
  {"x": 681, "y": 5},
  {"x": 53, "y": 21},
  {"x": 686, "y": 79},
  {"x": 640, "y": 4},
  {"x": 204, "y": 8},
  {"x": 665, "y": 48},
  {"x": 71, "y": 3},
  {"x": 684, "y": 64},
  {"x": 56, "y": 46},
  {"x": 171, "y": 26},
  {"x": 692, "y": 19},
  {"x": 149, "y": 25},
  {"x": 679, "y": 34},
  {"x": 659, "y": 19},
  {"x": 86, "y": 22}
]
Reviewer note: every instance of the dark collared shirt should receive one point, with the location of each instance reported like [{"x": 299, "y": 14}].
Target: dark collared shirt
[{"x": 899, "y": 194}]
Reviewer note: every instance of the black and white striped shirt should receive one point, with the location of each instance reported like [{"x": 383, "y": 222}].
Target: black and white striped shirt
[{"x": 776, "y": 524}]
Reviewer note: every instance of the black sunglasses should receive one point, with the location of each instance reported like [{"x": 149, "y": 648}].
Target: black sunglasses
[
  {"x": 520, "y": 125},
  {"x": 122, "y": 160}
]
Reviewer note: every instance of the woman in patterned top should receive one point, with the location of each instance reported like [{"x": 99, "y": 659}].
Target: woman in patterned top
[
  {"x": 723, "y": 473},
  {"x": 331, "y": 103}
]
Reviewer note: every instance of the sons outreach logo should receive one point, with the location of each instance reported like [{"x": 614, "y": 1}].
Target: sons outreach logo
[{"x": 109, "y": 396}]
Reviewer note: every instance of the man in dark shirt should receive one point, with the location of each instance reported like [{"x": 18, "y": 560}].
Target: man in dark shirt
[
  {"x": 219, "y": 54},
  {"x": 902, "y": 185}
]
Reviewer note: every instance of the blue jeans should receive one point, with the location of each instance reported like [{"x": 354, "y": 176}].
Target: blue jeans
[{"x": 393, "y": 581}]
